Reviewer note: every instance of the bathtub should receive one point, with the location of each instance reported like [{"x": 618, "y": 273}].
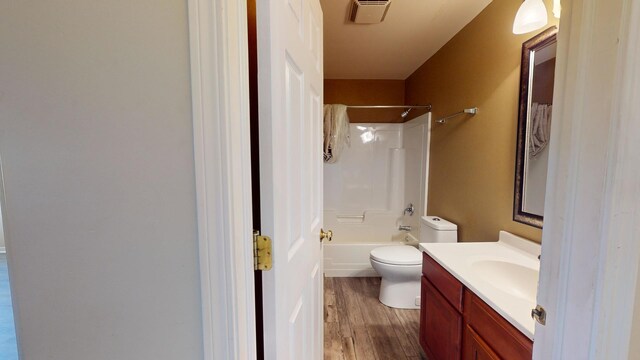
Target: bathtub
[{"x": 354, "y": 236}]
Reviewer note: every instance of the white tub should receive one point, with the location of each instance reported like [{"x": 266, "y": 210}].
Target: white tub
[{"x": 354, "y": 238}]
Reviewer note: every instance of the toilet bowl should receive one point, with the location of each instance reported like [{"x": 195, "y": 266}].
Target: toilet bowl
[{"x": 399, "y": 267}]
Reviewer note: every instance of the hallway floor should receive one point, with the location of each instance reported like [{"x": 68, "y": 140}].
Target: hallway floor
[
  {"x": 358, "y": 326},
  {"x": 8, "y": 347}
]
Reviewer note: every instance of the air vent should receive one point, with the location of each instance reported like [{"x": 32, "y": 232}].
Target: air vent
[{"x": 369, "y": 11}]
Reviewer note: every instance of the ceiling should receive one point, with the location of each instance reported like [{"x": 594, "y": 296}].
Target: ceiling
[{"x": 412, "y": 32}]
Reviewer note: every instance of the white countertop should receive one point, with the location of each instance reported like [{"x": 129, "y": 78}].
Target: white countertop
[{"x": 504, "y": 274}]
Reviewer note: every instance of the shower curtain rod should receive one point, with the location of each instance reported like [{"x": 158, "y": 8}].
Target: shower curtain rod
[{"x": 428, "y": 107}]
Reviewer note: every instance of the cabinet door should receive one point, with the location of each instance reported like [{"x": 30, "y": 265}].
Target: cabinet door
[
  {"x": 475, "y": 348},
  {"x": 507, "y": 341},
  {"x": 440, "y": 325}
]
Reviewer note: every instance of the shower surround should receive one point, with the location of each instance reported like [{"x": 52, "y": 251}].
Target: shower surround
[{"x": 367, "y": 190}]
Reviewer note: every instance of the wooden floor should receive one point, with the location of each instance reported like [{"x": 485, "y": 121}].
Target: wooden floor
[{"x": 358, "y": 326}]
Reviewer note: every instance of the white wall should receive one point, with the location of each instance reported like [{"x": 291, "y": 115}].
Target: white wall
[
  {"x": 97, "y": 155},
  {"x": 634, "y": 344},
  {"x": 2, "y": 245}
]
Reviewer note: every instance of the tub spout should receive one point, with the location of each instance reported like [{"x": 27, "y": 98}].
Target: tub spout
[{"x": 404, "y": 228}]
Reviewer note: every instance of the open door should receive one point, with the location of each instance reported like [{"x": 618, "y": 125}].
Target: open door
[{"x": 290, "y": 87}]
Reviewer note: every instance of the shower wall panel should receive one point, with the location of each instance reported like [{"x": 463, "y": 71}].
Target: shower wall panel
[
  {"x": 369, "y": 174},
  {"x": 366, "y": 191},
  {"x": 416, "y": 145}
]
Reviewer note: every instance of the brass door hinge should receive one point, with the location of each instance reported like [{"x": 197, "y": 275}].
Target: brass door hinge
[{"x": 261, "y": 252}]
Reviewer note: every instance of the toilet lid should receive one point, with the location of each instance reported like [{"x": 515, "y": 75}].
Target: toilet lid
[{"x": 397, "y": 255}]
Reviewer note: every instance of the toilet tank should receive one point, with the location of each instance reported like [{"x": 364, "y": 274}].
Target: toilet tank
[{"x": 434, "y": 229}]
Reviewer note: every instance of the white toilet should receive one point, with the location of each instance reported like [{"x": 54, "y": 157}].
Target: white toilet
[{"x": 400, "y": 266}]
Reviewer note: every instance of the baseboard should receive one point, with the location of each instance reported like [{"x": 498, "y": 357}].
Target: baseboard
[{"x": 350, "y": 273}]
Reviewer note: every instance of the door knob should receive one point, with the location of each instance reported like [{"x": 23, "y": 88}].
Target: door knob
[{"x": 326, "y": 235}]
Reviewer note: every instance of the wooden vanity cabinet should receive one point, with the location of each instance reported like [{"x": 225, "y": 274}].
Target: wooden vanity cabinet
[
  {"x": 504, "y": 339},
  {"x": 475, "y": 348},
  {"x": 457, "y": 324},
  {"x": 441, "y": 318},
  {"x": 440, "y": 325}
]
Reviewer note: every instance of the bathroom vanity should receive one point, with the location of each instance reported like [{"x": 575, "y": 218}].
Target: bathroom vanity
[{"x": 476, "y": 299}]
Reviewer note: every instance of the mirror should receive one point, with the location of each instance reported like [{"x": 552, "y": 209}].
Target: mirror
[{"x": 534, "y": 125}]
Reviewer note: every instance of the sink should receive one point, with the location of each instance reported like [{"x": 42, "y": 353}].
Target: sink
[
  {"x": 504, "y": 274},
  {"x": 514, "y": 279}
]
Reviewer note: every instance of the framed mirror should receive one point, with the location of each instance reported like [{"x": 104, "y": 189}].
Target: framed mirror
[{"x": 534, "y": 125}]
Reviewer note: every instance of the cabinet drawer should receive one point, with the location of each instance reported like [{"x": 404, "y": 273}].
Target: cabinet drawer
[
  {"x": 440, "y": 325},
  {"x": 507, "y": 341},
  {"x": 447, "y": 284}
]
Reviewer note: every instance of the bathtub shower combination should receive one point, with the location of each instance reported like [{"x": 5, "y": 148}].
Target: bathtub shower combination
[{"x": 378, "y": 185}]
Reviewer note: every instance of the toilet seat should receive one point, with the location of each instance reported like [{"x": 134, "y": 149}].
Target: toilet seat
[{"x": 397, "y": 255}]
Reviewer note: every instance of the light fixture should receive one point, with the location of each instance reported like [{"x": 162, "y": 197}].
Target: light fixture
[{"x": 531, "y": 16}]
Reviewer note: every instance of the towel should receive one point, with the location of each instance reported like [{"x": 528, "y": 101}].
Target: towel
[
  {"x": 540, "y": 128},
  {"x": 336, "y": 131}
]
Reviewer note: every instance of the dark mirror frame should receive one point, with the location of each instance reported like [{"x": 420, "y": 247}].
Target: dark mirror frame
[{"x": 537, "y": 42}]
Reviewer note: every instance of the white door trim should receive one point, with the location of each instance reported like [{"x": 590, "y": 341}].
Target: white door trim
[
  {"x": 220, "y": 99},
  {"x": 620, "y": 248},
  {"x": 590, "y": 247}
]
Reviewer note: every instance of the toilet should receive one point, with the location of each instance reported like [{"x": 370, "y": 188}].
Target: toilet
[{"x": 400, "y": 266}]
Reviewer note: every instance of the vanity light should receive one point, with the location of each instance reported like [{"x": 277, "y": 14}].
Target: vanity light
[{"x": 531, "y": 16}]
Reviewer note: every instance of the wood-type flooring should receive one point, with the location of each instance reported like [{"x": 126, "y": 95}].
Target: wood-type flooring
[{"x": 358, "y": 326}]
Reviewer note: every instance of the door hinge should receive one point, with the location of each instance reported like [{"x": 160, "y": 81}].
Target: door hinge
[
  {"x": 261, "y": 251},
  {"x": 539, "y": 314}
]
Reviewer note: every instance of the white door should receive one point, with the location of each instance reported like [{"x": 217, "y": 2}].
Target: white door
[{"x": 290, "y": 85}]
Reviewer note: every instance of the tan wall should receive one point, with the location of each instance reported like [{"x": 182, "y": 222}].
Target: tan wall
[
  {"x": 473, "y": 159},
  {"x": 367, "y": 92}
]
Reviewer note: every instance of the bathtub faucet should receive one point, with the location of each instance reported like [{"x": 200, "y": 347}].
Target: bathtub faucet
[
  {"x": 404, "y": 228},
  {"x": 409, "y": 210}
]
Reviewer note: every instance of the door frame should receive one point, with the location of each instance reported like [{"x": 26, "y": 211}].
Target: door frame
[
  {"x": 590, "y": 248},
  {"x": 220, "y": 105}
]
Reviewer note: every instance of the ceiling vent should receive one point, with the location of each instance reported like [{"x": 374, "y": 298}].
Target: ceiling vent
[{"x": 369, "y": 11}]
